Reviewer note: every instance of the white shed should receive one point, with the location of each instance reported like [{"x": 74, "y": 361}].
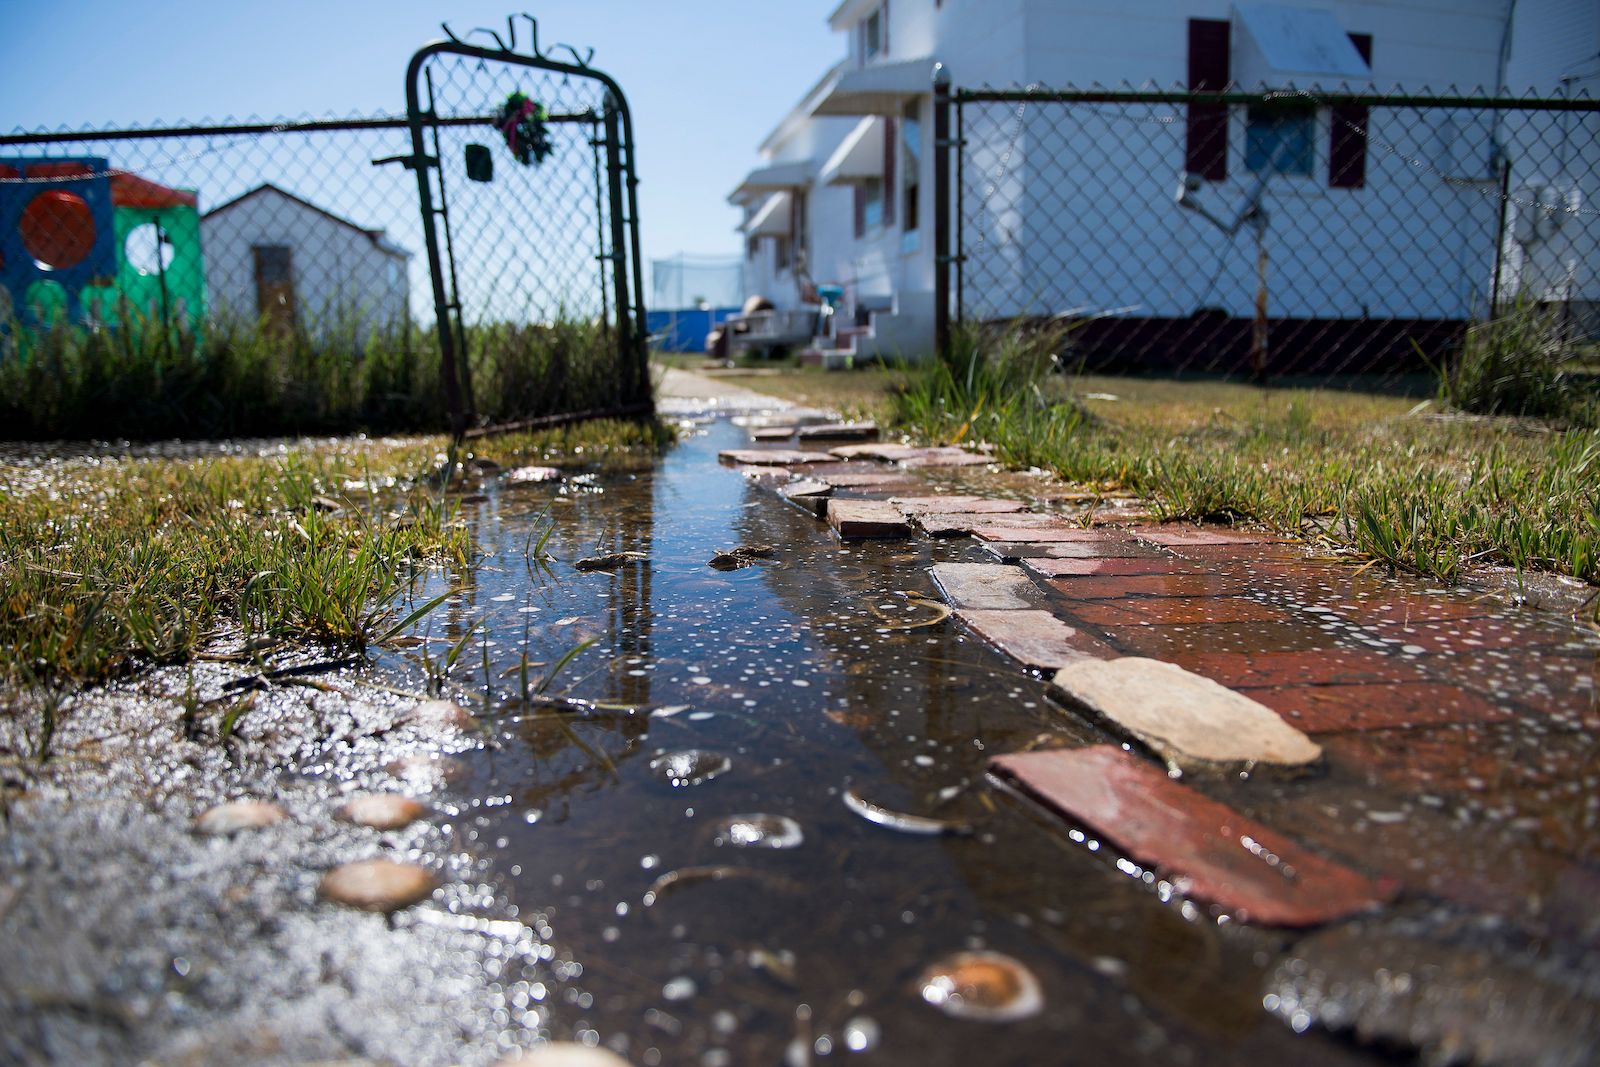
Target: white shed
[{"x": 274, "y": 257}]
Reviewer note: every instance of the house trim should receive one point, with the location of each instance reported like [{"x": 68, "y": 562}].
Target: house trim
[{"x": 378, "y": 238}]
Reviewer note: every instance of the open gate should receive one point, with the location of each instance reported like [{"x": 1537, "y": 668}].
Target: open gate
[{"x": 526, "y": 183}]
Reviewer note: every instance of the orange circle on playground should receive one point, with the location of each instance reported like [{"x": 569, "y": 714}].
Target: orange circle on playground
[{"x": 57, "y": 229}]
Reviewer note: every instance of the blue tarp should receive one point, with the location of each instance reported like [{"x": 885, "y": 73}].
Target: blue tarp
[{"x": 684, "y": 330}]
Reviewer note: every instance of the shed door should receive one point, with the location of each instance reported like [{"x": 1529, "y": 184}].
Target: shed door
[{"x": 274, "y": 286}]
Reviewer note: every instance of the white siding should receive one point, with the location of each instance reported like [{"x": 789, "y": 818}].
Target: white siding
[
  {"x": 1097, "y": 226},
  {"x": 1554, "y": 159},
  {"x": 342, "y": 279},
  {"x": 1078, "y": 211}
]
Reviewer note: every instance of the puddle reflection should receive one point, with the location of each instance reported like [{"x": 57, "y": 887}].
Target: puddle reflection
[{"x": 743, "y": 706}]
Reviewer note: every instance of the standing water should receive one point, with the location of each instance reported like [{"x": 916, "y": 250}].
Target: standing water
[{"x": 768, "y": 837}]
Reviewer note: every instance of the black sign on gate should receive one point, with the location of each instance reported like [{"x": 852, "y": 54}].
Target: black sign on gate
[{"x": 526, "y": 184}]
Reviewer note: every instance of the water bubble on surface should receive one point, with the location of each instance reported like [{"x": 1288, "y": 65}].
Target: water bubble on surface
[
  {"x": 690, "y": 766},
  {"x": 680, "y": 988},
  {"x": 862, "y": 1034},
  {"x": 759, "y": 831}
]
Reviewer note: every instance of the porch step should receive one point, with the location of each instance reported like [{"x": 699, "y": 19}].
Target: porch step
[{"x": 829, "y": 358}]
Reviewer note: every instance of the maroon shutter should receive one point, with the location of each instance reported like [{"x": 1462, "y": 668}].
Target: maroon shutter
[
  {"x": 859, "y": 206},
  {"x": 1347, "y": 153},
  {"x": 889, "y": 153},
  {"x": 1206, "y": 143}
]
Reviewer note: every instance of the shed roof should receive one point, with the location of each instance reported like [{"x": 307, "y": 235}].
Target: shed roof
[{"x": 378, "y": 238}]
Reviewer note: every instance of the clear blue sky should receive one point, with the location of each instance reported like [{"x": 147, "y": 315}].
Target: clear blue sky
[{"x": 706, "y": 79}]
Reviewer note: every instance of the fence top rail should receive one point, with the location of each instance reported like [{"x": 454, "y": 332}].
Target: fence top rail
[
  {"x": 1039, "y": 94},
  {"x": 144, "y": 133}
]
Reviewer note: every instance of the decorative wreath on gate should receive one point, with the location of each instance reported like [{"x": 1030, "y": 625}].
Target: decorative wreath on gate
[{"x": 522, "y": 124}]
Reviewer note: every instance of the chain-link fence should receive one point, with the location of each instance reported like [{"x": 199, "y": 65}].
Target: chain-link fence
[
  {"x": 267, "y": 277},
  {"x": 1279, "y": 233},
  {"x": 538, "y": 230}
]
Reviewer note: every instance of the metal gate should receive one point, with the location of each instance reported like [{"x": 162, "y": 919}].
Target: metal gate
[{"x": 526, "y": 183}]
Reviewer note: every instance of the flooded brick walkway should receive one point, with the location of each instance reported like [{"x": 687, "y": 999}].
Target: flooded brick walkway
[
  {"x": 1459, "y": 735},
  {"x": 982, "y": 768}
]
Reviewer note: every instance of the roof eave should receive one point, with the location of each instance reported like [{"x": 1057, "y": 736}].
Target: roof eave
[{"x": 801, "y": 112}]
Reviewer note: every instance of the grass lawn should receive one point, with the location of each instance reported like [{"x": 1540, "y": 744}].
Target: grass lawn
[{"x": 1389, "y": 476}]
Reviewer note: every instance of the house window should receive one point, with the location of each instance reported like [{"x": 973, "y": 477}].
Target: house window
[
  {"x": 798, "y": 227},
  {"x": 1280, "y": 139},
  {"x": 869, "y": 205},
  {"x": 752, "y": 247},
  {"x": 911, "y": 165},
  {"x": 874, "y": 39},
  {"x": 782, "y": 251}
]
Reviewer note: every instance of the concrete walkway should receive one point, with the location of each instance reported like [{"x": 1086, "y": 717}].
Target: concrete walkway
[{"x": 685, "y": 392}]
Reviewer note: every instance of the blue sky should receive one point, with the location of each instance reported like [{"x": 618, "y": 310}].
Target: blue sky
[{"x": 706, "y": 79}]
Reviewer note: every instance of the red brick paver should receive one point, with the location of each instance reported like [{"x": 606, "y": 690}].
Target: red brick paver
[
  {"x": 859, "y": 519},
  {"x": 1319, "y": 709},
  {"x": 1209, "y": 851},
  {"x": 1200, "y": 535},
  {"x": 1244, "y": 670},
  {"x": 1103, "y": 586},
  {"x": 1157, "y": 611}
]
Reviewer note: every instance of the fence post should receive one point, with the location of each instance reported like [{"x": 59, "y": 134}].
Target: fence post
[
  {"x": 942, "y": 147},
  {"x": 619, "y": 251},
  {"x": 420, "y": 161}
]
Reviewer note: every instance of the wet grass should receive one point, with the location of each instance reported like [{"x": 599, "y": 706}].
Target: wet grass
[
  {"x": 108, "y": 564},
  {"x": 1419, "y": 488}
]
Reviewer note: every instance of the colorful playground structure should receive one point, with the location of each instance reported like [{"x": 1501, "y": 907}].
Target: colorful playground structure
[{"x": 81, "y": 242}]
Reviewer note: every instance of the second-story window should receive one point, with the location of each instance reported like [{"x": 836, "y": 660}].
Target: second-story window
[{"x": 872, "y": 36}]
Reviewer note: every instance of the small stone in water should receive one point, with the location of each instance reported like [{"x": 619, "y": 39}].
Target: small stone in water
[
  {"x": 987, "y": 986},
  {"x": 378, "y": 885},
  {"x": 239, "y": 815},
  {"x": 690, "y": 766},
  {"x": 442, "y": 715},
  {"x": 382, "y": 811},
  {"x": 425, "y": 772},
  {"x": 533, "y": 474},
  {"x": 759, "y": 831}
]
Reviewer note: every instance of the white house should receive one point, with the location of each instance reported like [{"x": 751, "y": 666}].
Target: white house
[
  {"x": 841, "y": 196},
  {"x": 274, "y": 257},
  {"x": 1553, "y": 168}
]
